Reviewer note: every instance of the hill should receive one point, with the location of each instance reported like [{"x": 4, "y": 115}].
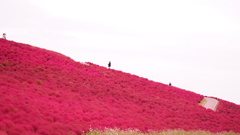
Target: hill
[{"x": 44, "y": 92}]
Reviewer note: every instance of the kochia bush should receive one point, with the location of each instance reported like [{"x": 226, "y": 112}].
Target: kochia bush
[{"x": 44, "y": 92}]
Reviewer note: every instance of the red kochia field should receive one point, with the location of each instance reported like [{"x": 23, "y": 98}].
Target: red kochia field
[{"x": 46, "y": 93}]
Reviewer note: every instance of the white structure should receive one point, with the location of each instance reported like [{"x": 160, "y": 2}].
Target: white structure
[
  {"x": 4, "y": 36},
  {"x": 210, "y": 103}
]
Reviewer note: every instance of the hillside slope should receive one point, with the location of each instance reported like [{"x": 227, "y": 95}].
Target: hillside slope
[{"x": 44, "y": 92}]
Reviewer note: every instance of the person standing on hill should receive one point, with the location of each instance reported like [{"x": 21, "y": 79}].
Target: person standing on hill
[
  {"x": 170, "y": 84},
  {"x": 109, "y": 64},
  {"x": 4, "y": 36}
]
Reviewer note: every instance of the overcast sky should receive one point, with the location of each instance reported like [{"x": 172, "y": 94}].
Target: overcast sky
[{"x": 195, "y": 45}]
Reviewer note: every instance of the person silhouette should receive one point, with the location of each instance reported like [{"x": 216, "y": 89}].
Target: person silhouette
[
  {"x": 109, "y": 64},
  {"x": 170, "y": 84},
  {"x": 4, "y": 36}
]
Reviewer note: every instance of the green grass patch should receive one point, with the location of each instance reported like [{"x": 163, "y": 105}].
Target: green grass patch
[{"x": 169, "y": 132}]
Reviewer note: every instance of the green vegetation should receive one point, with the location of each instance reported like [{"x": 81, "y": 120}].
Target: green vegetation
[
  {"x": 39, "y": 82},
  {"x": 169, "y": 132}
]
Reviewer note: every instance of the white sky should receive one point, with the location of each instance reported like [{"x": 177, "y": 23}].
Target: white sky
[{"x": 194, "y": 45}]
